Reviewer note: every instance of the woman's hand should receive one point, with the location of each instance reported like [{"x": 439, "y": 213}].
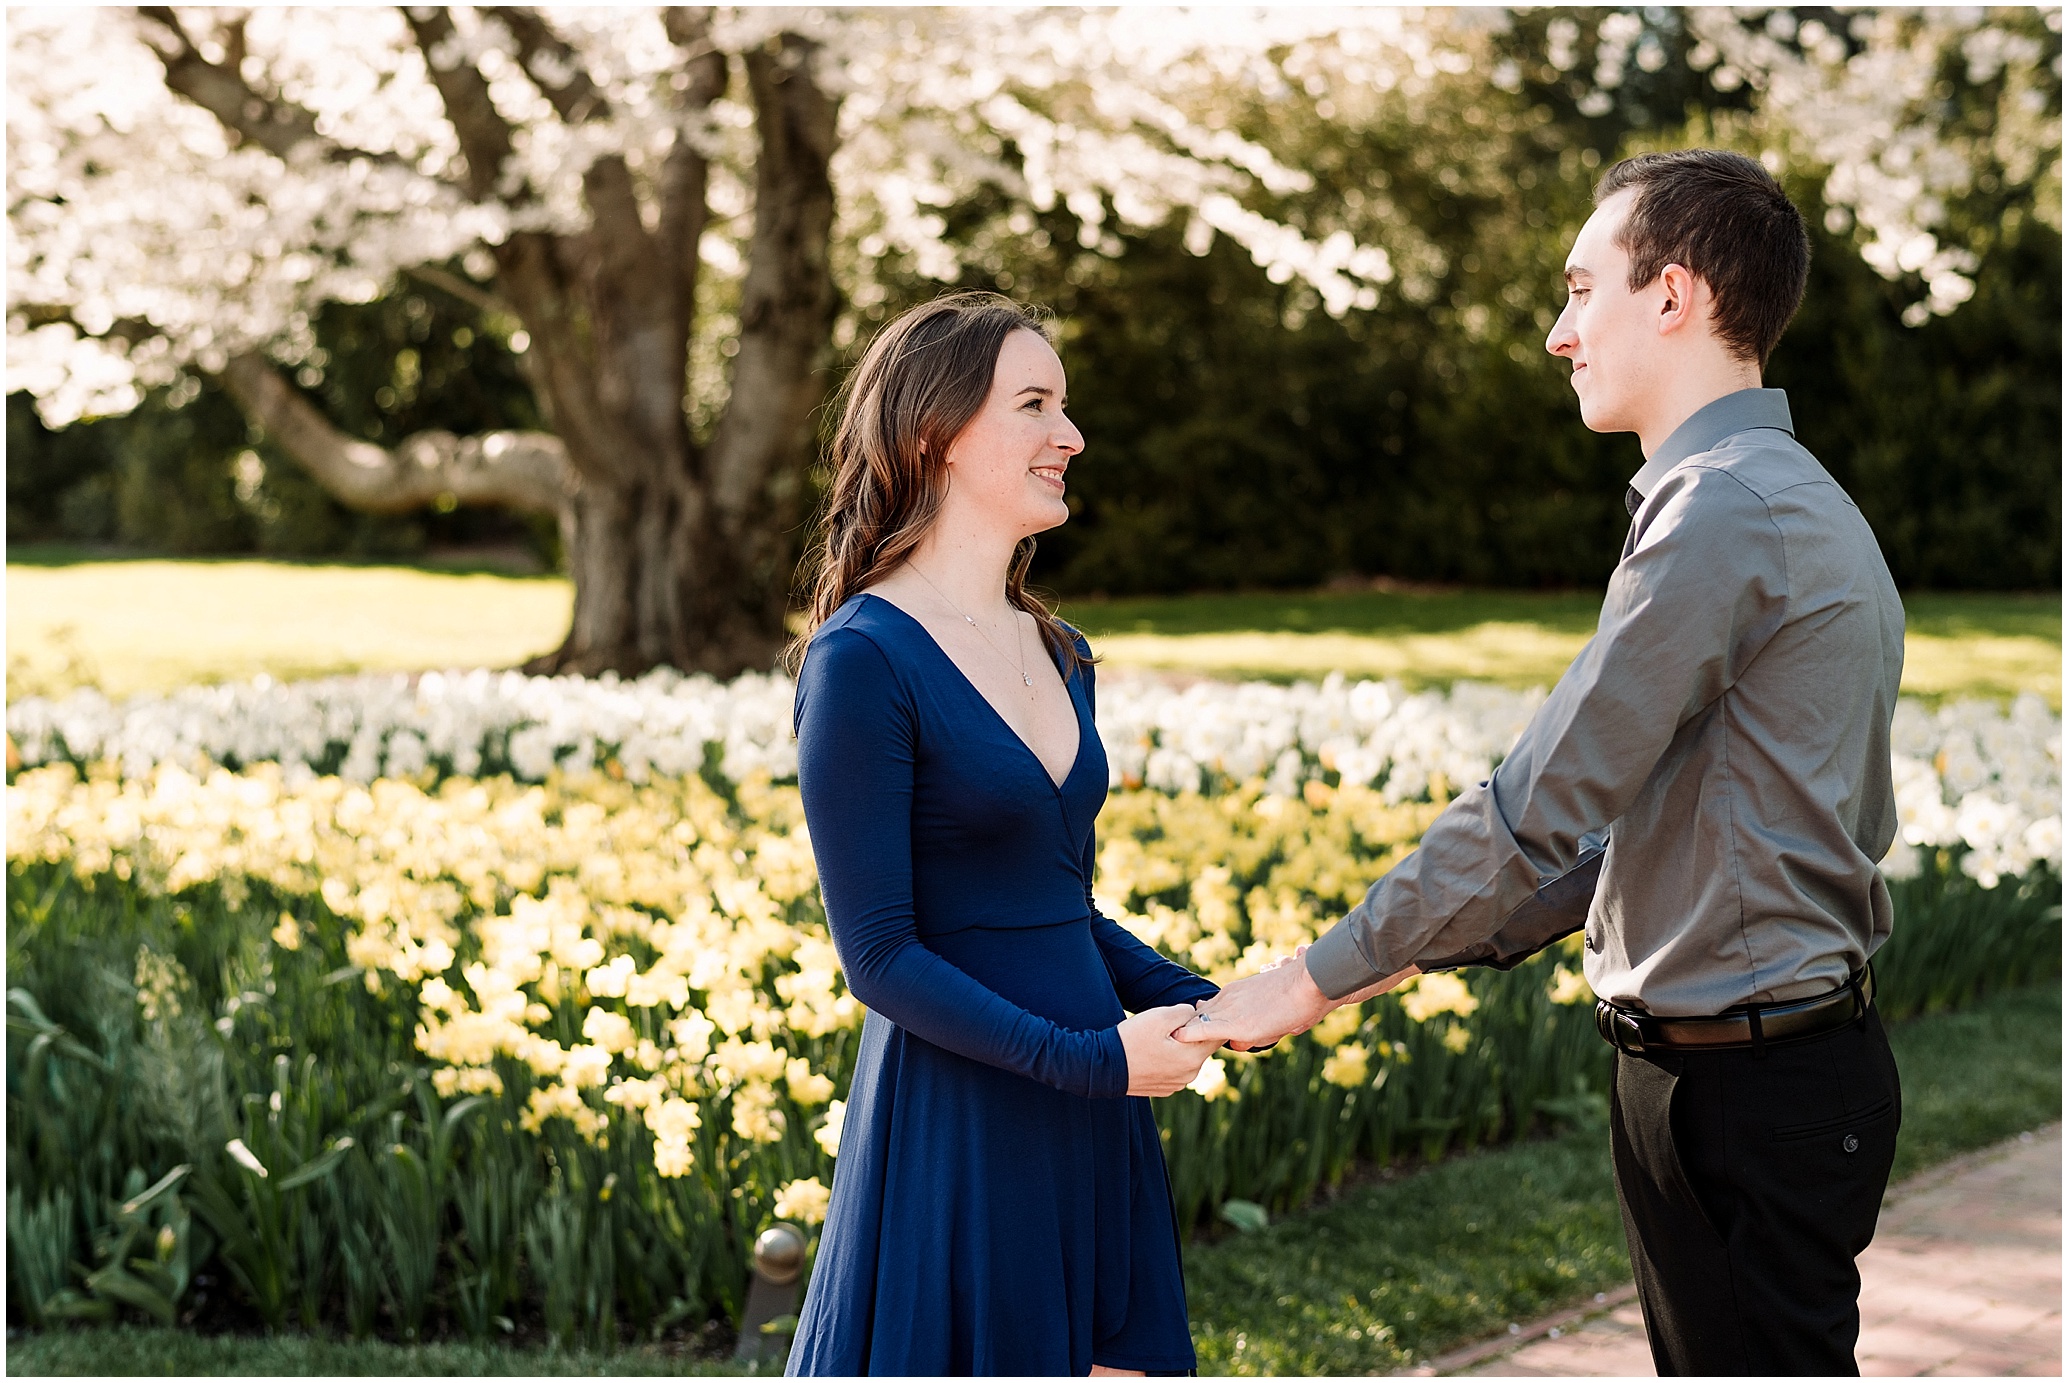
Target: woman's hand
[{"x": 1157, "y": 1063}]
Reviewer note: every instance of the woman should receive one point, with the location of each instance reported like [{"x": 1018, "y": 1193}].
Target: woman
[{"x": 1001, "y": 1203}]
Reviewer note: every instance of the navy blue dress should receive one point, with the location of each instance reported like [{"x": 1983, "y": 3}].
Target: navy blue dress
[{"x": 1000, "y": 1204}]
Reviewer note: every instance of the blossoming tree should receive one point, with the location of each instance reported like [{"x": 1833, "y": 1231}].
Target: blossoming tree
[
  {"x": 664, "y": 207},
  {"x": 186, "y": 185}
]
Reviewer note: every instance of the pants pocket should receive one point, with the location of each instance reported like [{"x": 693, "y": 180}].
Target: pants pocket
[
  {"x": 1858, "y": 1118},
  {"x": 1685, "y": 1134}
]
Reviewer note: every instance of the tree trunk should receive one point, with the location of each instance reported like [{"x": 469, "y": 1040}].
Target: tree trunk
[{"x": 683, "y": 556}]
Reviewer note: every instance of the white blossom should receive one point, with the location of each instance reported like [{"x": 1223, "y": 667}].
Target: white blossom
[
  {"x": 1871, "y": 113},
  {"x": 1969, "y": 776},
  {"x": 130, "y": 204},
  {"x": 134, "y": 216},
  {"x": 466, "y": 723}
]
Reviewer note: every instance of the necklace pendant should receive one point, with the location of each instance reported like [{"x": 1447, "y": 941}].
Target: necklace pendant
[{"x": 1025, "y": 678}]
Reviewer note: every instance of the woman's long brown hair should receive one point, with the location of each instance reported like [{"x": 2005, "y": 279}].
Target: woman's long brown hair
[{"x": 919, "y": 384}]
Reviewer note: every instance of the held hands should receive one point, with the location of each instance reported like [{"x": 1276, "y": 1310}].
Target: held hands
[
  {"x": 1277, "y": 1001},
  {"x": 1157, "y": 1063},
  {"x": 1166, "y": 1046}
]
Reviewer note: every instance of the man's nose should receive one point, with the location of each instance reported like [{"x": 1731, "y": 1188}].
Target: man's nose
[{"x": 1562, "y": 338}]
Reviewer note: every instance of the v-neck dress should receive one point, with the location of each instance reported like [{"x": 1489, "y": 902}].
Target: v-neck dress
[{"x": 1000, "y": 1203}]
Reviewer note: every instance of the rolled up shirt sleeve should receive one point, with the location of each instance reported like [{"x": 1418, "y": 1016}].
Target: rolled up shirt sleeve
[{"x": 1702, "y": 588}]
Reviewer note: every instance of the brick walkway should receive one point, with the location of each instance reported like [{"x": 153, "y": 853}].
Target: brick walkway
[{"x": 1963, "y": 1278}]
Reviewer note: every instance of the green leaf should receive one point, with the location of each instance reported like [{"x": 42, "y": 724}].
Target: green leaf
[
  {"x": 157, "y": 1277},
  {"x": 32, "y": 1011},
  {"x": 1247, "y": 1216},
  {"x": 72, "y": 1305},
  {"x": 462, "y": 1110},
  {"x": 47, "y": 1037},
  {"x": 135, "y": 1204},
  {"x": 316, "y": 1168},
  {"x": 119, "y": 1284},
  {"x": 219, "y": 1210}
]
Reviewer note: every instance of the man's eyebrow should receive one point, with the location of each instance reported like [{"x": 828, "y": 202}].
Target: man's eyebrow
[{"x": 1574, "y": 271}]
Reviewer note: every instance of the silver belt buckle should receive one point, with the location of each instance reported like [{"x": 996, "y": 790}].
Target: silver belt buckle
[{"x": 1620, "y": 1023}]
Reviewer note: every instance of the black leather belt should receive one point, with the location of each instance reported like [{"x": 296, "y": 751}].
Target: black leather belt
[{"x": 1748, "y": 1026}]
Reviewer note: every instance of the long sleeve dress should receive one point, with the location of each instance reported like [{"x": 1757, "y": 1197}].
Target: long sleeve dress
[{"x": 1000, "y": 1204}]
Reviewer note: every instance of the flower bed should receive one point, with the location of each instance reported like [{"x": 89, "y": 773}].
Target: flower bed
[
  {"x": 438, "y": 1049},
  {"x": 1969, "y": 774}
]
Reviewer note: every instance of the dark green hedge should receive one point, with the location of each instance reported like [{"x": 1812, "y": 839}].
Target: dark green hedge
[{"x": 1227, "y": 451}]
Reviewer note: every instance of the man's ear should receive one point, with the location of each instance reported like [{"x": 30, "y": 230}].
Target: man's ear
[{"x": 1677, "y": 305}]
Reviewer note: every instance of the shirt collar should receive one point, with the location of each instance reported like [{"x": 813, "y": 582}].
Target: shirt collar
[{"x": 1711, "y": 423}]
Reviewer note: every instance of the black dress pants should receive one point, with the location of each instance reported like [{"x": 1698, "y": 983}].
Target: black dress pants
[{"x": 1749, "y": 1182}]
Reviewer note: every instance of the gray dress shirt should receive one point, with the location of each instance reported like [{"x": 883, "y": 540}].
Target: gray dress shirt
[{"x": 1708, "y": 787}]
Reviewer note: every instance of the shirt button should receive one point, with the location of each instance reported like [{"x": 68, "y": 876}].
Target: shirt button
[
  {"x": 1593, "y": 942},
  {"x": 1852, "y": 1142}
]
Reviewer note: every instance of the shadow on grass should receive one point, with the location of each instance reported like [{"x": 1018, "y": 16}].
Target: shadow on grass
[
  {"x": 1947, "y": 614},
  {"x": 1336, "y": 612},
  {"x": 1984, "y": 614},
  {"x": 510, "y": 563}
]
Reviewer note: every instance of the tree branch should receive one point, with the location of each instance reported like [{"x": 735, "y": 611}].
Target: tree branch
[
  {"x": 128, "y": 330},
  {"x": 280, "y": 127},
  {"x": 689, "y": 28},
  {"x": 465, "y": 290},
  {"x": 553, "y": 66},
  {"x": 528, "y": 471},
  {"x": 686, "y": 174},
  {"x": 484, "y": 135},
  {"x": 787, "y": 299}
]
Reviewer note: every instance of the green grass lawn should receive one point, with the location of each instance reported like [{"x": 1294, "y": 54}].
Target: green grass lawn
[
  {"x": 1387, "y": 1273},
  {"x": 152, "y": 624},
  {"x": 1959, "y": 644},
  {"x": 137, "y": 626}
]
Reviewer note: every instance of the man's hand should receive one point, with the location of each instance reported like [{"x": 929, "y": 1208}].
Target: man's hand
[{"x": 1277, "y": 1001}]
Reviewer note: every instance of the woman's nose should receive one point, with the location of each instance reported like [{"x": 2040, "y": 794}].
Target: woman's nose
[{"x": 1068, "y": 438}]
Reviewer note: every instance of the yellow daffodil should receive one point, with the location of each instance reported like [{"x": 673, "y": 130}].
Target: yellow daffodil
[{"x": 803, "y": 1201}]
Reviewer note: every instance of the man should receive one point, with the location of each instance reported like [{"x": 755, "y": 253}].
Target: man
[{"x": 1707, "y": 790}]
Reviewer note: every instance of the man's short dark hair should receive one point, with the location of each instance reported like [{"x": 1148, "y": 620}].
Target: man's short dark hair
[{"x": 1724, "y": 219}]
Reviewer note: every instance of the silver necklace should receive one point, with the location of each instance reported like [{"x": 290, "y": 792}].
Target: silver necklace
[{"x": 1019, "y": 634}]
